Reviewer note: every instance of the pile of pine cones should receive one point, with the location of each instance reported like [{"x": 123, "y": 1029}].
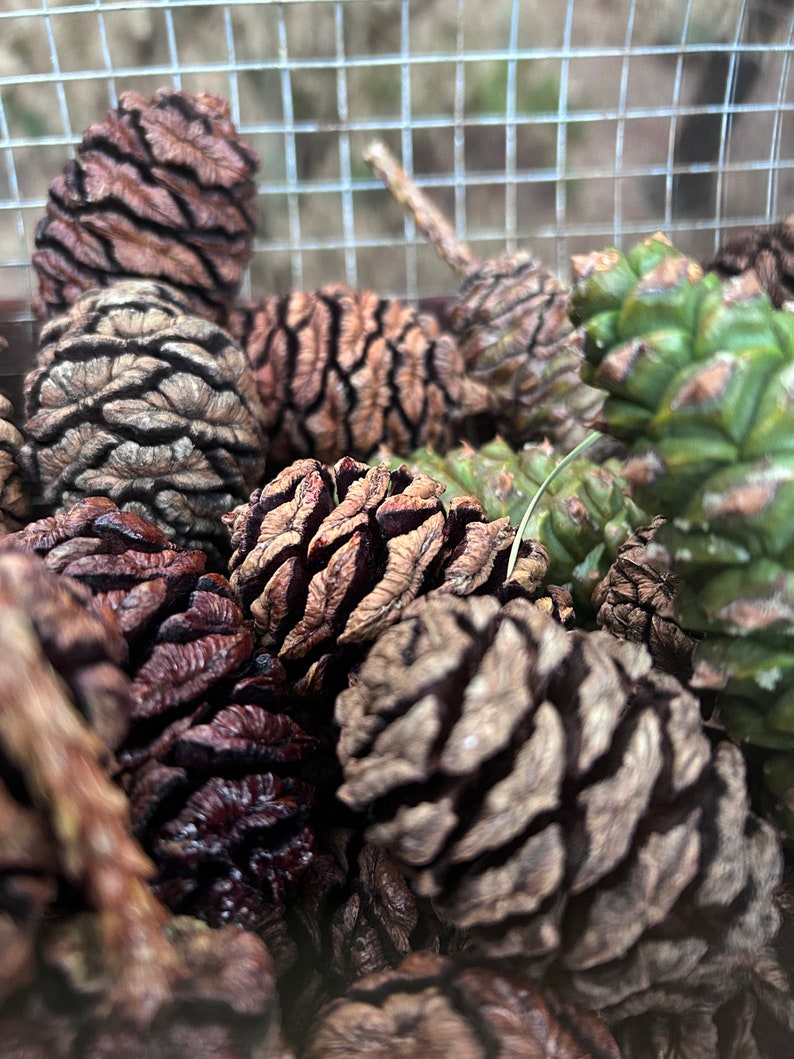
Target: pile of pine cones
[{"x": 304, "y": 754}]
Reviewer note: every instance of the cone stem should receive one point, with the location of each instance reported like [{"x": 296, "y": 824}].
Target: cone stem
[{"x": 439, "y": 232}]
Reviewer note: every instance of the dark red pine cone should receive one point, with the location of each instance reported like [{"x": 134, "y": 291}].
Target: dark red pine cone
[
  {"x": 355, "y": 915},
  {"x": 134, "y": 398},
  {"x": 212, "y": 765},
  {"x": 768, "y": 250},
  {"x": 344, "y": 372},
  {"x": 326, "y": 559},
  {"x": 431, "y": 1008},
  {"x": 162, "y": 189}
]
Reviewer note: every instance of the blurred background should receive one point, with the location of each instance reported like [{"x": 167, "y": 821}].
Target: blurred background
[{"x": 558, "y": 127}]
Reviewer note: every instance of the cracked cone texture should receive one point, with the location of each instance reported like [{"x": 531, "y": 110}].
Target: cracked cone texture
[
  {"x": 135, "y": 399},
  {"x": 699, "y": 376},
  {"x": 14, "y": 505},
  {"x": 162, "y": 189},
  {"x": 325, "y": 559},
  {"x": 341, "y": 372},
  {"x": 556, "y": 797}
]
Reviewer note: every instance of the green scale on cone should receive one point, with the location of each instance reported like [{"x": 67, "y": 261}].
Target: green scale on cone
[
  {"x": 700, "y": 377},
  {"x": 584, "y": 516}
]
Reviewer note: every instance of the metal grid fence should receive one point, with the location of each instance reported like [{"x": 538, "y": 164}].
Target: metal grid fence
[{"x": 556, "y": 126}]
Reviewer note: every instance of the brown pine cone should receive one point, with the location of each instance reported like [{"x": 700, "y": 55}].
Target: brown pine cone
[
  {"x": 135, "y": 399},
  {"x": 556, "y": 797},
  {"x": 510, "y": 318},
  {"x": 14, "y": 505},
  {"x": 344, "y": 372},
  {"x": 769, "y": 251},
  {"x": 162, "y": 189},
  {"x": 212, "y": 765},
  {"x": 355, "y": 915},
  {"x": 635, "y": 602},
  {"x": 224, "y": 1005},
  {"x": 431, "y": 1008},
  {"x": 325, "y": 559},
  {"x": 84, "y": 652}
]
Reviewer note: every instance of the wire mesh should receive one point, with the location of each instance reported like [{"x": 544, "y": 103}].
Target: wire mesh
[{"x": 559, "y": 127}]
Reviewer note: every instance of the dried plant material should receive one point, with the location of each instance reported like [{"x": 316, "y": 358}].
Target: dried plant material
[
  {"x": 510, "y": 319},
  {"x": 430, "y": 1008},
  {"x": 325, "y": 560},
  {"x": 768, "y": 251},
  {"x": 556, "y": 797},
  {"x": 584, "y": 516},
  {"x": 162, "y": 189},
  {"x": 14, "y": 504},
  {"x": 134, "y": 399},
  {"x": 212, "y": 764},
  {"x": 61, "y": 761},
  {"x": 343, "y": 372},
  {"x": 224, "y": 1003},
  {"x": 635, "y": 601},
  {"x": 355, "y": 915}
]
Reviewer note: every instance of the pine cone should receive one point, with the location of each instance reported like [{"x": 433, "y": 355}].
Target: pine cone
[
  {"x": 136, "y": 400},
  {"x": 324, "y": 560},
  {"x": 212, "y": 765},
  {"x": 556, "y": 798},
  {"x": 342, "y": 372},
  {"x": 14, "y": 505},
  {"x": 769, "y": 251},
  {"x": 510, "y": 318},
  {"x": 634, "y": 601},
  {"x": 430, "y": 1008},
  {"x": 699, "y": 381},
  {"x": 224, "y": 1006},
  {"x": 84, "y": 651},
  {"x": 517, "y": 342},
  {"x": 162, "y": 189},
  {"x": 585, "y": 515},
  {"x": 355, "y": 915}
]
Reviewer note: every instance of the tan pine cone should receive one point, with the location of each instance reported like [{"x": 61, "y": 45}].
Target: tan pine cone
[
  {"x": 768, "y": 251},
  {"x": 634, "y": 601},
  {"x": 431, "y": 1008},
  {"x": 14, "y": 504},
  {"x": 556, "y": 797},
  {"x": 135, "y": 399},
  {"x": 345, "y": 372},
  {"x": 325, "y": 559},
  {"x": 211, "y": 763},
  {"x": 162, "y": 189}
]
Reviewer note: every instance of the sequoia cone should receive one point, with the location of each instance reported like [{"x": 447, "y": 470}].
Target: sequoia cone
[
  {"x": 768, "y": 251},
  {"x": 211, "y": 763},
  {"x": 325, "y": 559},
  {"x": 162, "y": 189},
  {"x": 14, "y": 506},
  {"x": 342, "y": 372},
  {"x": 430, "y": 1008},
  {"x": 135, "y": 399},
  {"x": 555, "y": 796}
]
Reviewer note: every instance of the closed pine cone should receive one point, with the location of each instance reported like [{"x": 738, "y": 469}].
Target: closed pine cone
[
  {"x": 556, "y": 797},
  {"x": 135, "y": 399},
  {"x": 162, "y": 189},
  {"x": 343, "y": 372}
]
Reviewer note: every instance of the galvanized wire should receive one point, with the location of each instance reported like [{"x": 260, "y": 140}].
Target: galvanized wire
[{"x": 325, "y": 218}]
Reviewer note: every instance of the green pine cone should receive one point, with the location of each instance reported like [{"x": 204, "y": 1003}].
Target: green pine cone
[
  {"x": 583, "y": 518},
  {"x": 700, "y": 378}
]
